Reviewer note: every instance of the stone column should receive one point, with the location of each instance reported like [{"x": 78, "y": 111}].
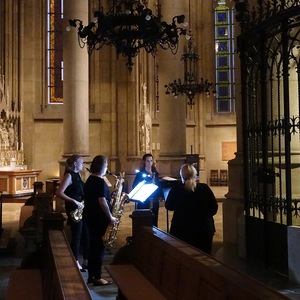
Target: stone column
[
  {"x": 172, "y": 111},
  {"x": 76, "y": 83},
  {"x": 233, "y": 207},
  {"x": 76, "y": 89}
]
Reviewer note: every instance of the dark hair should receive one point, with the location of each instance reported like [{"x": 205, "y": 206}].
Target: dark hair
[
  {"x": 97, "y": 164},
  {"x": 70, "y": 162},
  {"x": 147, "y": 155}
]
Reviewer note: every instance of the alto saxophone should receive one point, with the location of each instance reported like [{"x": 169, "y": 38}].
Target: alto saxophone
[
  {"x": 76, "y": 214},
  {"x": 119, "y": 199}
]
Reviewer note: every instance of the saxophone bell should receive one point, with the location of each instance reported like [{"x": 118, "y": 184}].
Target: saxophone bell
[
  {"x": 76, "y": 214},
  {"x": 119, "y": 199}
]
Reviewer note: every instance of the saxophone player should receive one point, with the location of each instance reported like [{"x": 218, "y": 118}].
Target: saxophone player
[
  {"x": 71, "y": 191},
  {"x": 97, "y": 213},
  {"x": 149, "y": 173}
]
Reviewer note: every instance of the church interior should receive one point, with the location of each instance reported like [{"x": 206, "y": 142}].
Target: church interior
[{"x": 193, "y": 93}]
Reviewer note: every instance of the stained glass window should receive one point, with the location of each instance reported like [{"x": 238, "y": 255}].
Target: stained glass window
[
  {"x": 55, "y": 51},
  {"x": 224, "y": 50}
]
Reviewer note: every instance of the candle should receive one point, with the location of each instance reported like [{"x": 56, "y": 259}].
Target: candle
[
  {"x": 21, "y": 146},
  {"x": 17, "y": 146}
]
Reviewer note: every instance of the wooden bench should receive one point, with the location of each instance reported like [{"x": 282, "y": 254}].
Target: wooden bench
[
  {"x": 50, "y": 272},
  {"x": 163, "y": 267},
  {"x": 144, "y": 288},
  {"x": 19, "y": 286}
]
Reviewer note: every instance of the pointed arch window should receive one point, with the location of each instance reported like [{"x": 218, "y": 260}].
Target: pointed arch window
[
  {"x": 54, "y": 51},
  {"x": 224, "y": 55}
]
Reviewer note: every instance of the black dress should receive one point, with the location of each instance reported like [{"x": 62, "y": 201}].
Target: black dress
[
  {"x": 97, "y": 222},
  {"x": 75, "y": 191},
  {"x": 192, "y": 220}
]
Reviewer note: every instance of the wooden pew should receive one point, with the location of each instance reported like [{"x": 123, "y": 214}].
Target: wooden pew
[
  {"x": 166, "y": 266},
  {"x": 50, "y": 272}
]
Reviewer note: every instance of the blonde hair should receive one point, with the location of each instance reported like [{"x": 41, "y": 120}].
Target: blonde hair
[
  {"x": 69, "y": 166},
  {"x": 188, "y": 175}
]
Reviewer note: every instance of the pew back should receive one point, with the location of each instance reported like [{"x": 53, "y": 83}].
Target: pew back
[
  {"x": 180, "y": 271},
  {"x": 50, "y": 273},
  {"x": 61, "y": 276}
]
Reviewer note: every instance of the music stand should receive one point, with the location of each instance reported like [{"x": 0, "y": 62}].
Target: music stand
[{"x": 142, "y": 191}]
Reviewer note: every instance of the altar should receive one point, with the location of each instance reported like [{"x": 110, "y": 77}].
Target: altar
[
  {"x": 16, "y": 186},
  {"x": 17, "y": 182}
]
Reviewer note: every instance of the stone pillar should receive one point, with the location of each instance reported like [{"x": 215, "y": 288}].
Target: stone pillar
[
  {"x": 76, "y": 89},
  {"x": 76, "y": 83},
  {"x": 233, "y": 207},
  {"x": 172, "y": 113}
]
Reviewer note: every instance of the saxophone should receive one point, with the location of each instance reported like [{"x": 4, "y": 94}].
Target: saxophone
[
  {"x": 119, "y": 199},
  {"x": 76, "y": 214}
]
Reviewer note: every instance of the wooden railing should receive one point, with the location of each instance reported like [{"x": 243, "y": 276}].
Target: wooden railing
[
  {"x": 51, "y": 271},
  {"x": 174, "y": 270}
]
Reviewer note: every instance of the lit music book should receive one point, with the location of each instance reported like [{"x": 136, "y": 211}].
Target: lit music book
[{"x": 142, "y": 191}]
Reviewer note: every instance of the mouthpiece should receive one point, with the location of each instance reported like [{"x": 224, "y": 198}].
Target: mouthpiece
[{"x": 112, "y": 174}]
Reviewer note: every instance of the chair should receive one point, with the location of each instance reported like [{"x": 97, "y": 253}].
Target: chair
[
  {"x": 214, "y": 177},
  {"x": 223, "y": 177}
]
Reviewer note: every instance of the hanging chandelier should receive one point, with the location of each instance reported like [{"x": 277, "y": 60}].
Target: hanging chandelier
[
  {"x": 129, "y": 26},
  {"x": 190, "y": 86}
]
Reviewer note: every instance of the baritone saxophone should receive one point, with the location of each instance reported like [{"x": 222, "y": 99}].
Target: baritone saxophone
[{"x": 119, "y": 199}]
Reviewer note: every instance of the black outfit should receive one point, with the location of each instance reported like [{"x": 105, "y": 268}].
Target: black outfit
[
  {"x": 153, "y": 201},
  {"x": 97, "y": 222},
  {"x": 192, "y": 220},
  {"x": 75, "y": 191}
]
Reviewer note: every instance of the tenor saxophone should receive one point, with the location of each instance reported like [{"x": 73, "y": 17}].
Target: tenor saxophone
[
  {"x": 119, "y": 199},
  {"x": 76, "y": 214}
]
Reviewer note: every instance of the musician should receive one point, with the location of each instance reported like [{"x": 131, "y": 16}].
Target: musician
[
  {"x": 149, "y": 173},
  {"x": 71, "y": 191},
  {"x": 194, "y": 206},
  {"x": 98, "y": 216}
]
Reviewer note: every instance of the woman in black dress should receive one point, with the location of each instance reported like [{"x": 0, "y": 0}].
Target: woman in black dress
[
  {"x": 71, "y": 191},
  {"x": 194, "y": 206},
  {"x": 98, "y": 216}
]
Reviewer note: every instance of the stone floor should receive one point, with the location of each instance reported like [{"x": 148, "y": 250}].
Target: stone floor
[{"x": 13, "y": 250}]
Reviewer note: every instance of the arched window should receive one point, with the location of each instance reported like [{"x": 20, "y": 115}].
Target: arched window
[
  {"x": 54, "y": 51},
  {"x": 224, "y": 53}
]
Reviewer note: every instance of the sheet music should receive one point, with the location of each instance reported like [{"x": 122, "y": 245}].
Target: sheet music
[
  {"x": 169, "y": 178},
  {"x": 142, "y": 191}
]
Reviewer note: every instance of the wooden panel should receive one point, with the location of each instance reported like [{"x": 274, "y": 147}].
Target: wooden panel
[
  {"x": 188, "y": 273},
  {"x": 64, "y": 271},
  {"x": 3, "y": 184},
  {"x": 18, "y": 182},
  {"x": 20, "y": 288},
  {"x": 228, "y": 150},
  {"x": 169, "y": 281},
  {"x": 155, "y": 262},
  {"x": 133, "y": 284},
  {"x": 206, "y": 291}
]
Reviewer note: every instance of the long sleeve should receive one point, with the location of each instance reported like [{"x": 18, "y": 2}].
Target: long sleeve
[
  {"x": 212, "y": 201},
  {"x": 171, "y": 202}
]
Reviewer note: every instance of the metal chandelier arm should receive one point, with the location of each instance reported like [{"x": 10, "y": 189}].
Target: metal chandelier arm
[{"x": 129, "y": 27}]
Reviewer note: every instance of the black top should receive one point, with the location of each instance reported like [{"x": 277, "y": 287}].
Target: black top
[
  {"x": 74, "y": 190},
  {"x": 193, "y": 211},
  {"x": 95, "y": 188}
]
